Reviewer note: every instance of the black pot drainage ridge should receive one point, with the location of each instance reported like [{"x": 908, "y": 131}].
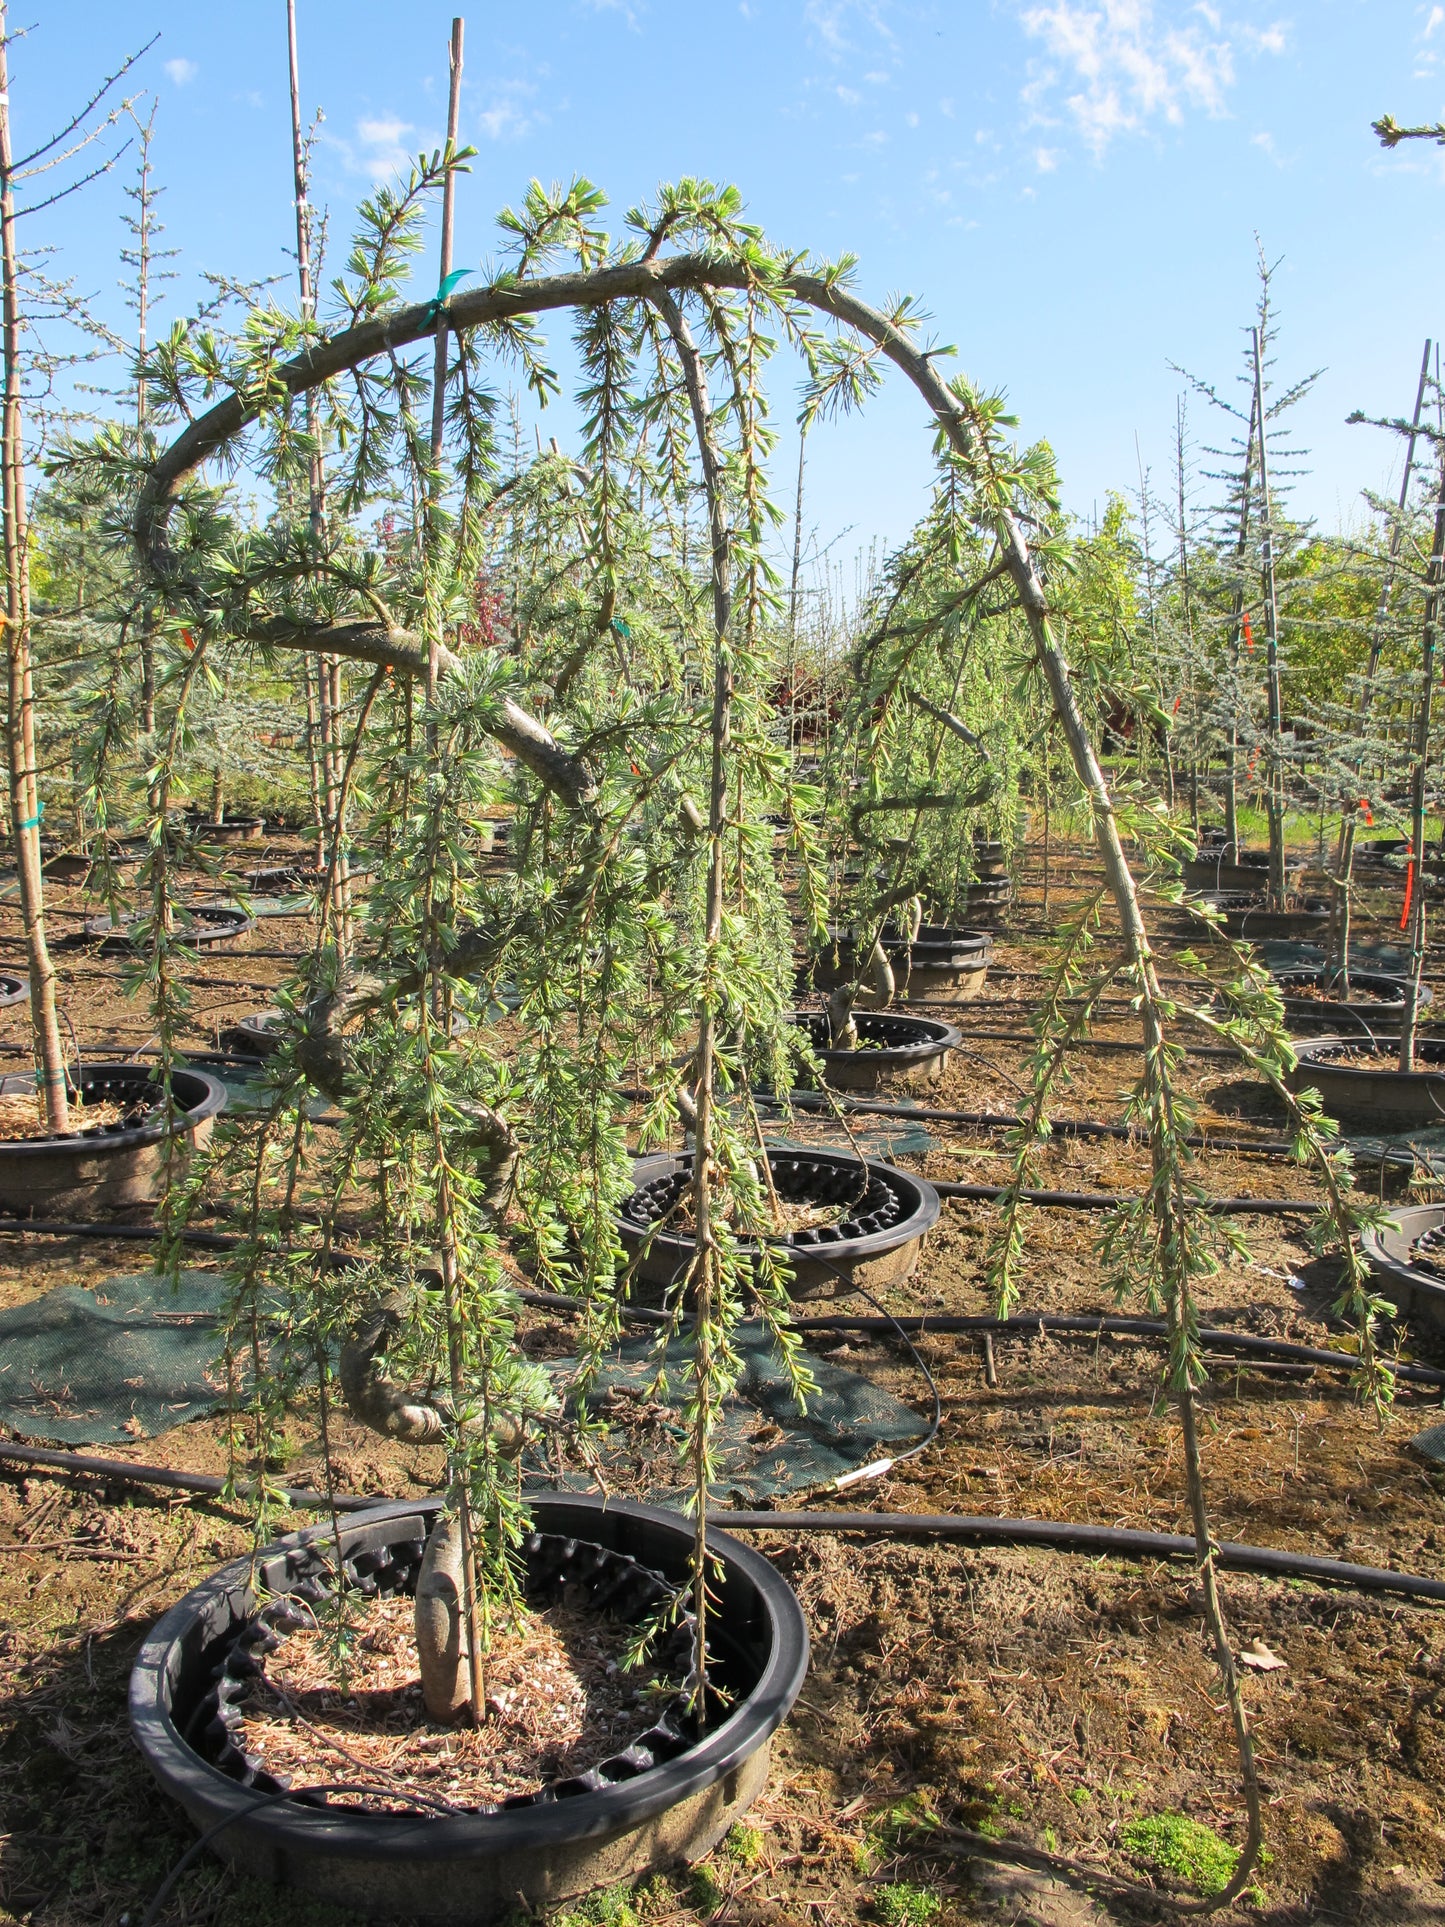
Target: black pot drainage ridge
[
  {"x": 894, "y": 1052},
  {"x": 1408, "y": 1254},
  {"x": 876, "y": 1243},
  {"x": 669, "y": 1796},
  {"x": 109, "y": 1164}
]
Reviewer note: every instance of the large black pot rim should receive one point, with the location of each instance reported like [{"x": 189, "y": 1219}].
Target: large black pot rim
[
  {"x": 938, "y": 945},
  {"x": 1389, "y": 1248},
  {"x": 213, "y": 924},
  {"x": 874, "y": 1026},
  {"x": 841, "y": 1251},
  {"x": 1323, "y": 1050},
  {"x": 14, "y": 988},
  {"x": 198, "y": 1096},
  {"x": 405, "y": 1837},
  {"x": 1367, "y": 1014}
]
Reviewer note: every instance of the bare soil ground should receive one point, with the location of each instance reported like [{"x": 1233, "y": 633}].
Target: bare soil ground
[{"x": 1024, "y": 1694}]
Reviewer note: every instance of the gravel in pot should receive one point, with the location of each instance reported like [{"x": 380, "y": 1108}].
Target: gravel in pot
[
  {"x": 1359, "y": 1082},
  {"x": 667, "y": 1794},
  {"x": 894, "y": 1052},
  {"x": 1407, "y": 1253},
  {"x": 203, "y": 926},
  {"x": 121, "y": 1161},
  {"x": 868, "y": 1220}
]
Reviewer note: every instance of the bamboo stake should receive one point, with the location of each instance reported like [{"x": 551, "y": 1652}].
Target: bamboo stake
[
  {"x": 20, "y": 730},
  {"x": 1410, "y": 1015},
  {"x": 1349, "y": 819},
  {"x": 1275, "y": 794}
]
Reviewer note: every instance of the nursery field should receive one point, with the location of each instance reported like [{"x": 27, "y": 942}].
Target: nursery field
[
  {"x": 680, "y": 1242},
  {"x": 1057, "y": 1701}
]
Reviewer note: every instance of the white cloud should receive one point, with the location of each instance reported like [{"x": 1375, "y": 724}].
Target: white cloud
[
  {"x": 1046, "y": 159},
  {"x": 848, "y": 97},
  {"x": 832, "y": 21},
  {"x": 1121, "y": 64},
  {"x": 1437, "y": 19},
  {"x": 379, "y": 148},
  {"x": 910, "y": 120},
  {"x": 511, "y": 115},
  {"x": 181, "y": 71}
]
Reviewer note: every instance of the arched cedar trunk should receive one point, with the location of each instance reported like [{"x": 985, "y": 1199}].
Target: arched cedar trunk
[{"x": 657, "y": 280}]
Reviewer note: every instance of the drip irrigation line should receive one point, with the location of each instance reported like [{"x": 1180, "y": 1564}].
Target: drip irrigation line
[
  {"x": 209, "y": 1484},
  {"x": 1031, "y": 1324},
  {"x": 1114, "y": 1200},
  {"x": 1061, "y": 1535},
  {"x": 1204, "y": 1052},
  {"x": 1008, "y": 1120},
  {"x": 425, "y": 1803}
]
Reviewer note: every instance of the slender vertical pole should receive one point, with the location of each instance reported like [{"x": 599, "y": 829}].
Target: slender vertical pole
[
  {"x": 20, "y": 721},
  {"x": 142, "y": 397},
  {"x": 1188, "y": 601},
  {"x": 439, "y": 376},
  {"x": 1436, "y": 580},
  {"x": 1275, "y": 794},
  {"x": 1231, "y": 761},
  {"x": 1349, "y": 816},
  {"x": 329, "y": 707}
]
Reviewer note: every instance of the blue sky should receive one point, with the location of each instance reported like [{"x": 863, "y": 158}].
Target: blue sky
[{"x": 1072, "y": 187}]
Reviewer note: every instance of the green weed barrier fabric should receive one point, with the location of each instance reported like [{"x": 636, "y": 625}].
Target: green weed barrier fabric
[
  {"x": 125, "y": 1360},
  {"x": 131, "y": 1357},
  {"x": 764, "y": 1444}
]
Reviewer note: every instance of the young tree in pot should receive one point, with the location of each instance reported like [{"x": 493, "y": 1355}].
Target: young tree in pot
[{"x": 717, "y": 275}]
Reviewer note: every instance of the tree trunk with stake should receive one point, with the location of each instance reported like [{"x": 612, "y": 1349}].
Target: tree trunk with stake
[
  {"x": 1275, "y": 803},
  {"x": 1231, "y": 760},
  {"x": 1409, "y": 1020},
  {"x": 20, "y": 720},
  {"x": 1339, "y": 953}
]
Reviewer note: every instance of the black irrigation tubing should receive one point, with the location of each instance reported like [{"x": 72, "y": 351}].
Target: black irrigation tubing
[
  {"x": 206, "y": 1483},
  {"x": 1112, "y": 1200},
  {"x": 1032, "y": 1324},
  {"x": 1060, "y": 1535},
  {"x": 1010, "y": 1120},
  {"x": 1203, "y": 1052}
]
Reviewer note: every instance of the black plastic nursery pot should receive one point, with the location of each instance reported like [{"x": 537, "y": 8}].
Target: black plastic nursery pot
[
  {"x": 1248, "y": 919},
  {"x": 1404, "y": 1253},
  {"x": 233, "y": 829},
  {"x": 14, "y": 988},
  {"x": 990, "y": 856},
  {"x": 877, "y": 1243},
  {"x": 1372, "y": 1009},
  {"x": 260, "y": 1033},
  {"x": 989, "y": 895},
  {"x": 669, "y": 1796},
  {"x": 203, "y": 926},
  {"x": 894, "y": 1053},
  {"x": 109, "y": 1165},
  {"x": 940, "y": 966},
  {"x": 280, "y": 879},
  {"x": 1356, "y": 1088},
  {"x": 1220, "y": 869}
]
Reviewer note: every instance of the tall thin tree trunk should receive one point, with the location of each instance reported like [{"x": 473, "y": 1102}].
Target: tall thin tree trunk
[
  {"x": 25, "y": 806},
  {"x": 1409, "y": 1019},
  {"x": 1275, "y": 786},
  {"x": 1231, "y": 763},
  {"x": 1339, "y": 950},
  {"x": 328, "y": 707}
]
